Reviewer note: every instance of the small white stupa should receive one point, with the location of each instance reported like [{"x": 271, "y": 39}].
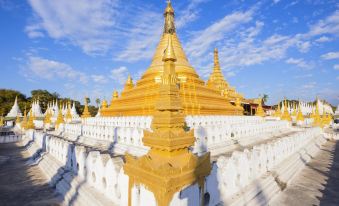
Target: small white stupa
[
  {"x": 15, "y": 111},
  {"x": 98, "y": 114},
  {"x": 74, "y": 111},
  {"x": 336, "y": 113},
  {"x": 36, "y": 109}
]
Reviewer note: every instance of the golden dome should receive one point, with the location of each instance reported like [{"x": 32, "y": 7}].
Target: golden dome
[{"x": 197, "y": 98}]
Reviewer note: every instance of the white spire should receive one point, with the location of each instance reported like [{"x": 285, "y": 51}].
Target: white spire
[{"x": 15, "y": 111}]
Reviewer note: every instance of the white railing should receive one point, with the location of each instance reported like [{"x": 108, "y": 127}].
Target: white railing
[
  {"x": 211, "y": 132},
  {"x": 242, "y": 168}
]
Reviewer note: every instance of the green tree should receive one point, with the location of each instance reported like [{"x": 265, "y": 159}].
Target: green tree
[
  {"x": 88, "y": 100},
  {"x": 7, "y": 98},
  {"x": 98, "y": 102},
  {"x": 265, "y": 98}
]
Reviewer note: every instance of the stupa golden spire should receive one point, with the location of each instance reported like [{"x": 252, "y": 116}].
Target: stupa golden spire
[
  {"x": 60, "y": 118},
  {"x": 30, "y": 122},
  {"x": 47, "y": 119},
  {"x": 24, "y": 120},
  {"x": 277, "y": 112},
  {"x": 86, "y": 113},
  {"x": 294, "y": 106},
  {"x": 217, "y": 80},
  {"x": 300, "y": 116},
  {"x": 316, "y": 116},
  {"x": 286, "y": 115},
  {"x": 260, "y": 111},
  {"x": 68, "y": 115},
  {"x": 197, "y": 98},
  {"x": 169, "y": 165}
]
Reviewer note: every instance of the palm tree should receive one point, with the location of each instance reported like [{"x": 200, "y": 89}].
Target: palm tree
[
  {"x": 265, "y": 98},
  {"x": 98, "y": 102}
]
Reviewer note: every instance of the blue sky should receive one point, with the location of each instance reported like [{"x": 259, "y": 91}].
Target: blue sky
[{"x": 77, "y": 48}]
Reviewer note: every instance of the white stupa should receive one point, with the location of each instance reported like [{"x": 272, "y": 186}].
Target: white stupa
[
  {"x": 15, "y": 111},
  {"x": 98, "y": 114},
  {"x": 36, "y": 109},
  {"x": 336, "y": 113},
  {"x": 74, "y": 111}
]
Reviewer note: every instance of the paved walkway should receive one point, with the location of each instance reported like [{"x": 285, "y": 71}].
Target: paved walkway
[
  {"x": 21, "y": 184},
  {"x": 317, "y": 183}
]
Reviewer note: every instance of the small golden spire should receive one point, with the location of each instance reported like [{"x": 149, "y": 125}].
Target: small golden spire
[
  {"x": 216, "y": 59},
  {"x": 69, "y": 114},
  {"x": 60, "y": 119},
  {"x": 169, "y": 27},
  {"x": 86, "y": 113},
  {"x": 30, "y": 123},
  {"x": 104, "y": 104},
  {"x": 128, "y": 85}
]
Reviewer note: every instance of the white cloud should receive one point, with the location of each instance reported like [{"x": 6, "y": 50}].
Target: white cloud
[
  {"x": 310, "y": 85},
  {"x": 189, "y": 14},
  {"x": 33, "y": 31},
  {"x": 276, "y": 1},
  {"x": 299, "y": 62},
  {"x": 119, "y": 74},
  {"x": 330, "y": 55},
  {"x": 303, "y": 76},
  {"x": 323, "y": 39},
  {"x": 99, "y": 79},
  {"x": 336, "y": 67},
  {"x": 142, "y": 37},
  {"x": 84, "y": 23},
  {"x": 50, "y": 69},
  {"x": 304, "y": 46},
  {"x": 329, "y": 25},
  {"x": 203, "y": 40}
]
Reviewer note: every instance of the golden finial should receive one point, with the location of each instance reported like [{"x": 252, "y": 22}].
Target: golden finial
[
  {"x": 169, "y": 27},
  {"x": 115, "y": 94},
  {"x": 216, "y": 59},
  {"x": 86, "y": 113},
  {"x": 129, "y": 80},
  {"x": 104, "y": 104}
]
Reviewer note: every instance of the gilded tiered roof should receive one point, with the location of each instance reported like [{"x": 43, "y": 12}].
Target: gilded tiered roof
[{"x": 197, "y": 98}]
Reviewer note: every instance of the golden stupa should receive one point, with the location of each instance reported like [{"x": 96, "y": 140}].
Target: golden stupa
[
  {"x": 260, "y": 110},
  {"x": 299, "y": 117},
  {"x": 169, "y": 165},
  {"x": 217, "y": 81},
  {"x": 197, "y": 98},
  {"x": 286, "y": 115}
]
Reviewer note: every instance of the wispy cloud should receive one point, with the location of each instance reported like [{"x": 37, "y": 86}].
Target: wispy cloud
[
  {"x": 144, "y": 33},
  {"x": 330, "y": 55},
  {"x": 50, "y": 69},
  {"x": 336, "y": 67},
  {"x": 84, "y": 23},
  {"x": 99, "y": 79},
  {"x": 203, "y": 40},
  {"x": 323, "y": 39},
  {"x": 310, "y": 85},
  {"x": 119, "y": 74},
  {"x": 303, "y": 76},
  {"x": 299, "y": 62}
]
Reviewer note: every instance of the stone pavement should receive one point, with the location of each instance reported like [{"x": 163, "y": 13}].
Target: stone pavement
[
  {"x": 21, "y": 184},
  {"x": 317, "y": 183}
]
